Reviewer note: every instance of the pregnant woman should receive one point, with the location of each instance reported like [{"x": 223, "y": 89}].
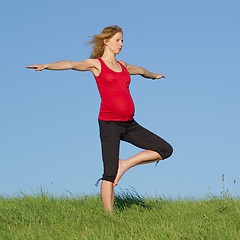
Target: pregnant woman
[{"x": 116, "y": 116}]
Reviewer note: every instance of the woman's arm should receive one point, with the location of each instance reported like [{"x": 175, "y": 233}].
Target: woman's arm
[
  {"x": 134, "y": 70},
  {"x": 86, "y": 65},
  {"x": 62, "y": 65}
]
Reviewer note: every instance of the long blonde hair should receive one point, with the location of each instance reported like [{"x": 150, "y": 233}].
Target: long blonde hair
[{"x": 98, "y": 40}]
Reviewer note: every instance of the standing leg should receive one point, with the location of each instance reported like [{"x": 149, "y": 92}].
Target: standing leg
[
  {"x": 107, "y": 195},
  {"x": 110, "y": 141}
]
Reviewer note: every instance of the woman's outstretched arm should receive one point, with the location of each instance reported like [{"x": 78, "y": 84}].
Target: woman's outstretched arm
[
  {"x": 134, "y": 70},
  {"x": 86, "y": 65}
]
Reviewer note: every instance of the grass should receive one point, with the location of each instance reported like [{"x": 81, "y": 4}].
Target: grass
[{"x": 42, "y": 216}]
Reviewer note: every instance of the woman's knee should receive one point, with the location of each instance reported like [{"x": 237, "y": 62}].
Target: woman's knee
[
  {"x": 110, "y": 173},
  {"x": 168, "y": 151}
]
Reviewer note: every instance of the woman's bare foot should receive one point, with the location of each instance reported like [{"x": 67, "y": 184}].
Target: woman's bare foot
[{"x": 121, "y": 169}]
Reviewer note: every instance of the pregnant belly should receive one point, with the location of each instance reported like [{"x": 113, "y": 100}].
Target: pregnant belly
[{"x": 121, "y": 107}]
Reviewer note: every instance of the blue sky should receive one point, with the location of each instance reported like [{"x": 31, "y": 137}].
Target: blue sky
[{"x": 49, "y": 133}]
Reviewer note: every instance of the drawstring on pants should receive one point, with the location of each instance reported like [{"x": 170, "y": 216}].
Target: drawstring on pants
[
  {"x": 157, "y": 163},
  {"x": 96, "y": 184}
]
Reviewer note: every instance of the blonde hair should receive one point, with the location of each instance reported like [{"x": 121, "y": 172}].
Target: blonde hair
[{"x": 98, "y": 40}]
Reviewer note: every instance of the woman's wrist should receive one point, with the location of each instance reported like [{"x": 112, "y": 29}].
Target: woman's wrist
[{"x": 154, "y": 76}]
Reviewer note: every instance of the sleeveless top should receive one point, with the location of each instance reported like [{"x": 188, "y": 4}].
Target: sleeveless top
[{"x": 116, "y": 101}]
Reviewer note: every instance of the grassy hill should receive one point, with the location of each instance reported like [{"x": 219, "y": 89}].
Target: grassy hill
[{"x": 42, "y": 216}]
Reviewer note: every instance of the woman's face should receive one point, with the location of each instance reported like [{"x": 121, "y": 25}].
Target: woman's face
[{"x": 115, "y": 43}]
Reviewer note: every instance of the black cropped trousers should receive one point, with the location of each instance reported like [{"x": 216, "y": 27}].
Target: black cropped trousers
[{"x": 111, "y": 132}]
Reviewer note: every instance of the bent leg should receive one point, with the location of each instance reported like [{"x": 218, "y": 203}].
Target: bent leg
[
  {"x": 146, "y": 156},
  {"x": 156, "y": 148},
  {"x": 145, "y": 139}
]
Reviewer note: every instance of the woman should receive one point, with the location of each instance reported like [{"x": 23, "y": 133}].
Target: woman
[{"x": 115, "y": 118}]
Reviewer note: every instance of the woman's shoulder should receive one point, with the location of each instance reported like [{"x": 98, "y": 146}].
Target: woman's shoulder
[
  {"x": 93, "y": 65},
  {"x": 93, "y": 62},
  {"x": 123, "y": 63}
]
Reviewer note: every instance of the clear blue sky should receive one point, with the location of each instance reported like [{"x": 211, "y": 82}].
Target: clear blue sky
[{"x": 49, "y": 132}]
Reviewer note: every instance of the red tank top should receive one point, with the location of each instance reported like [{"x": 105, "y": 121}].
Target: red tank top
[{"x": 116, "y": 101}]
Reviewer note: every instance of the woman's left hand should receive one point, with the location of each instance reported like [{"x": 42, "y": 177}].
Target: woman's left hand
[{"x": 158, "y": 76}]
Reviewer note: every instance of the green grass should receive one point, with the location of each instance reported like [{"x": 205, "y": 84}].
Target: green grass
[{"x": 43, "y": 216}]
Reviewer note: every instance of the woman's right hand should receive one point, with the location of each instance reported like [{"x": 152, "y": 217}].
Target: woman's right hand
[
  {"x": 37, "y": 67},
  {"x": 86, "y": 65}
]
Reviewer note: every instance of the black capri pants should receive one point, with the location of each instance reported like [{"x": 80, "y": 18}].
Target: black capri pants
[{"x": 111, "y": 132}]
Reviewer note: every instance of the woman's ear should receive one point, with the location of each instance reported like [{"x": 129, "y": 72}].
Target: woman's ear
[{"x": 106, "y": 41}]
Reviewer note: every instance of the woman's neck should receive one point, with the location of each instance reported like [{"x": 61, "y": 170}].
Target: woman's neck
[{"x": 109, "y": 57}]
